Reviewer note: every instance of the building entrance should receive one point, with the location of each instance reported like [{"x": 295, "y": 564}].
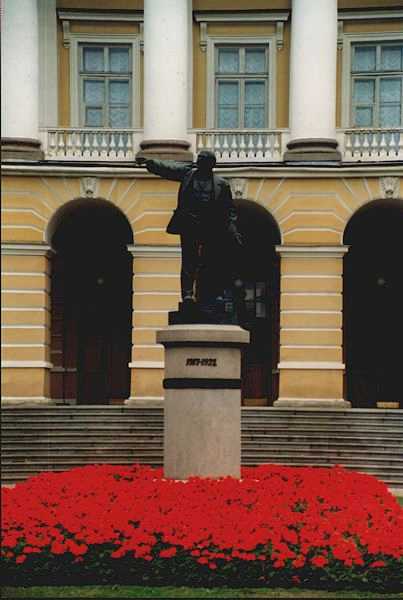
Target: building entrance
[
  {"x": 373, "y": 306},
  {"x": 91, "y": 305},
  {"x": 259, "y": 312}
]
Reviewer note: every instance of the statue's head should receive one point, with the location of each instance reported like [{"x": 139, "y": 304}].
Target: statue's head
[{"x": 206, "y": 161}]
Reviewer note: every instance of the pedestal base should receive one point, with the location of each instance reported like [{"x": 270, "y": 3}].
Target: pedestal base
[
  {"x": 21, "y": 149},
  {"x": 312, "y": 151},
  {"x": 202, "y": 408},
  {"x": 166, "y": 150}
]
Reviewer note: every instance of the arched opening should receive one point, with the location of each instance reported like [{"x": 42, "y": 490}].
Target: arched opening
[
  {"x": 373, "y": 305},
  {"x": 259, "y": 270},
  {"x": 91, "y": 303}
]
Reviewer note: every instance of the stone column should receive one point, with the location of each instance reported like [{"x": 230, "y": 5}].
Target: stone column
[
  {"x": 166, "y": 66},
  {"x": 20, "y": 80},
  {"x": 26, "y": 324},
  {"x": 313, "y": 82},
  {"x": 202, "y": 407},
  {"x": 311, "y": 346}
]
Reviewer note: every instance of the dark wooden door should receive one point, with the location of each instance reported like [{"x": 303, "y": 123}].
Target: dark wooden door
[{"x": 91, "y": 326}]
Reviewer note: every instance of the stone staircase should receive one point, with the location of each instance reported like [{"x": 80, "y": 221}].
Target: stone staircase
[{"x": 57, "y": 438}]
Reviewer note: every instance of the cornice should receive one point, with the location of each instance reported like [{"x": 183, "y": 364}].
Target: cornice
[{"x": 250, "y": 171}]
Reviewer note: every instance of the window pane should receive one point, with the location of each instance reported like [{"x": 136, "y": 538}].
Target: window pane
[
  {"x": 363, "y": 117},
  {"x": 364, "y": 90},
  {"x": 364, "y": 58},
  {"x": 228, "y": 93},
  {"x": 93, "y": 92},
  {"x": 254, "y": 117},
  {"x": 254, "y": 93},
  {"x": 228, "y": 118},
  {"x": 255, "y": 60},
  {"x": 389, "y": 115},
  {"x": 93, "y": 117},
  {"x": 119, "y": 92},
  {"x": 93, "y": 59},
  {"x": 119, "y": 117},
  {"x": 391, "y": 90},
  {"x": 228, "y": 60},
  {"x": 119, "y": 60},
  {"x": 391, "y": 58}
]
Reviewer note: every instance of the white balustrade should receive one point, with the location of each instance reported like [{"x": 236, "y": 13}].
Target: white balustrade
[
  {"x": 91, "y": 144},
  {"x": 242, "y": 146},
  {"x": 368, "y": 145}
]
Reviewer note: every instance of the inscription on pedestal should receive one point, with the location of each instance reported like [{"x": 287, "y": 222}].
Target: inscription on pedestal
[{"x": 201, "y": 362}]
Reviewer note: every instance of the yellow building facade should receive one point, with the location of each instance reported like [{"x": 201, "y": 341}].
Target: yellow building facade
[{"x": 302, "y": 106}]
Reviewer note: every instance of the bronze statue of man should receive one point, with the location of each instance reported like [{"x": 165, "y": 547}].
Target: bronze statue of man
[{"x": 205, "y": 219}]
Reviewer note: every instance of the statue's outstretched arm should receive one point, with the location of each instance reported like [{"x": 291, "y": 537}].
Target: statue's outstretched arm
[{"x": 168, "y": 169}]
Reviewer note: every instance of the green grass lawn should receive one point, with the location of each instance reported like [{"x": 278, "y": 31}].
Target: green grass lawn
[
  {"x": 183, "y": 592},
  {"x": 400, "y": 500}
]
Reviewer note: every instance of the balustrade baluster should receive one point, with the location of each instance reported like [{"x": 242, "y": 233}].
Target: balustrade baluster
[
  {"x": 129, "y": 145},
  {"x": 277, "y": 146},
  {"x": 120, "y": 153},
  {"x": 217, "y": 146},
  {"x": 87, "y": 146},
  {"x": 69, "y": 146},
  {"x": 234, "y": 146},
  {"x": 60, "y": 144},
  {"x": 225, "y": 147},
  {"x": 78, "y": 149},
  {"x": 52, "y": 143},
  {"x": 242, "y": 146},
  {"x": 259, "y": 147},
  {"x": 383, "y": 146},
  {"x": 104, "y": 144},
  {"x": 251, "y": 147},
  {"x": 95, "y": 146}
]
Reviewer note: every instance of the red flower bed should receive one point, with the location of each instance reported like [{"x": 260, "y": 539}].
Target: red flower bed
[{"x": 277, "y": 525}]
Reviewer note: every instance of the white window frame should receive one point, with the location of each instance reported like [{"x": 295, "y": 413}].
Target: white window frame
[
  {"x": 233, "y": 41},
  {"x": 348, "y": 40},
  {"x": 76, "y": 39}
]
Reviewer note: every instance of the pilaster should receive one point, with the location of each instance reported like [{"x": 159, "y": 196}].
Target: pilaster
[
  {"x": 311, "y": 354},
  {"x": 155, "y": 293},
  {"x": 25, "y": 324}
]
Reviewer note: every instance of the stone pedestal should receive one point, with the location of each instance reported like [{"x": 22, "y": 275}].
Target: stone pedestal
[{"x": 202, "y": 407}]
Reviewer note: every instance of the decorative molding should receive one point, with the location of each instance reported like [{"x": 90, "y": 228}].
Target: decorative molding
[
  {"x": 97, "y": 15},
  {"x": 390, "y": 187},
  {"x": 356, "y": 170},
  {"x": 241, "y": 16},
  {"x": 66, "y": 34},
  {"x": 347, "y": 41},
  {"x": 372, "y": 15},
  {"x": 280, "y": 35},
  {"x": 340, "y": 35},
  {"x": 146, "y": 364},
  {"x": 204, "y": 18},
  {"x": 154, "y": 251},
  {"x": 311, "y": 365},
  {"x": 238, "y": 188},
  {"x": 25, "y": 249},
  {"x": 314, "y": 403},
  {"x": 141, "y": 36},
  {"x": 268, "y": 40},
  {"x": 312, "y": 251},
  {"x": 89, "y": 186},
  {"x": 26, "y": 364},
  {"x": 75, "y": 39},
  {"x": 203, "y": 36}
]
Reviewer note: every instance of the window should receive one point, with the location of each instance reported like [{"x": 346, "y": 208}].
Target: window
[
  {"x": 241, "y": 86},
  {"x": 105, "y": 85},
  {"x": 377, "y": 84}
]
